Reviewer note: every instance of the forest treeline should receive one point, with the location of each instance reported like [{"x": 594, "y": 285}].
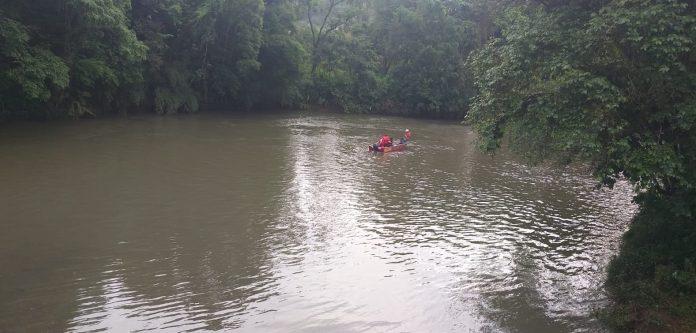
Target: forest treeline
[
  {"x": 612, "y": 82},
  {"x": 77, "y": 58}
]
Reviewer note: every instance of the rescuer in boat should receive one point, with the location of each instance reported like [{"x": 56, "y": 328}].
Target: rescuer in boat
[
  {"x": 407, "y": 136},
  {"x": 384, "y": 141}
]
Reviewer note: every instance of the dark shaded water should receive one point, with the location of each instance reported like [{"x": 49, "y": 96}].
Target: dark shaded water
[{"x": 287, "y": 224}]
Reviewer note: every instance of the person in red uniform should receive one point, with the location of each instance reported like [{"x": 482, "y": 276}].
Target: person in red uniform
[{"x": 385, "y": 141}]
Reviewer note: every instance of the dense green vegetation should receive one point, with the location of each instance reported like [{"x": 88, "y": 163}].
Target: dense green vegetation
[
  {"x": 83, "y": 57},
  {"x": 612, "y": 82},
  {"x": 76, "y": 58}
]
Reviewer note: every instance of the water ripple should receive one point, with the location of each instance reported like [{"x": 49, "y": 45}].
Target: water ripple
[{"x": 219, "y": 223}]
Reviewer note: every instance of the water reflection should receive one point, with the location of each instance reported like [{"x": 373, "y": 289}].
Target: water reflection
[{"x": 212, "y": 223}]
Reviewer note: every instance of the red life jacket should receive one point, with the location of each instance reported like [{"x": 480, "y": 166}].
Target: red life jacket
[{"x": 385, "y": 141}]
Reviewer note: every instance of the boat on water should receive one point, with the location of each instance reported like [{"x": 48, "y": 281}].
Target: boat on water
[
  {"x": 398, "y": 147},
  {"x": 385, "y": 143}
]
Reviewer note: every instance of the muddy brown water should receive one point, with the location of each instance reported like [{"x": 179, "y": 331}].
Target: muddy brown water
[{"x": 285, "y": 223}]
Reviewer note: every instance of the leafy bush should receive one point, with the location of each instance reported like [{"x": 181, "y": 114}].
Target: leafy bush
[{"x": 652, "y": 283}]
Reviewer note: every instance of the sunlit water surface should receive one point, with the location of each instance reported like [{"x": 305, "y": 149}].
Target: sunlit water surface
[{"x": 286, "y": 224}]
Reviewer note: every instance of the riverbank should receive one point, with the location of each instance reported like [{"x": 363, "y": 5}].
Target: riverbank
[
  {"x": 652, "y": 281},
  {"x": 221, "y": 109}
]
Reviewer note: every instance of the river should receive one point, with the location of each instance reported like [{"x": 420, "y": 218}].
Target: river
[{"x": 285, "y": 223}]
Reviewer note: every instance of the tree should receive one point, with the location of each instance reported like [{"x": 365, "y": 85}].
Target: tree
[
  {"x": 104, "y": 54},
  {"x": 28, "y": 74},
  {"x": 563, "y": 88},
  {"x": 168, "y": 70},
  {"x": 330, "y": 15},
  {"x": 91, "y": 40},
  {"x": 423, "y": 46},
  {"x": 227, "y": 36},
  {"x": 614, "y": 84},
  {"x": 282, "y": 76}
]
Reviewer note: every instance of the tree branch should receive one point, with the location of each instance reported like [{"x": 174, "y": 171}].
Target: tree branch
[
  {"x": 309, "y": 17},
  {"x": 332, "y": 4}
]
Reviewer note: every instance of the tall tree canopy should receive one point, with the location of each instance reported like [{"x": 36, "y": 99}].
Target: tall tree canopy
[
  {"x": 83, "y": 57},
  {"x": 80, "y": 58},
  {"x": 614, "y": 83},
  {"x": 75, "y": 56}
]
